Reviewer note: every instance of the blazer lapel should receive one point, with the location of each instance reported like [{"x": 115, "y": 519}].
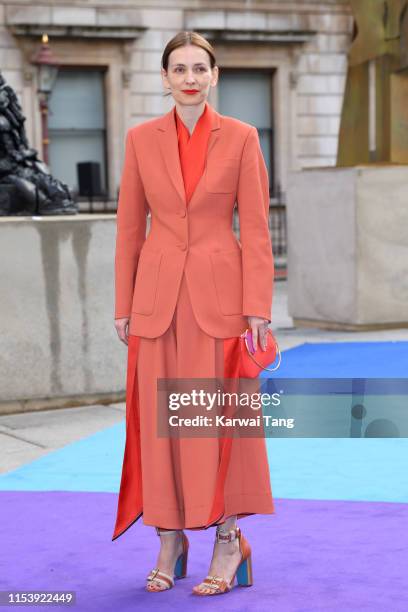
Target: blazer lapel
[{"x": 169, "y": 148}]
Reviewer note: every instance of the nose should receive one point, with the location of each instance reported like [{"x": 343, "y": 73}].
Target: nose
[{"x": 190, "y": 77}]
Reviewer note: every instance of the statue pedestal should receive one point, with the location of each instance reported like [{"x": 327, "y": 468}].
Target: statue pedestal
[
  {"x": 348, "y": 247},
  {"x": 58, "y": 342}
]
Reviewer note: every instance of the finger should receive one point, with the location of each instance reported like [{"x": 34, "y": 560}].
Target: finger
[
  {"x": 255, "y": 337},
  {"x": 260, "y": 336},
  {"x": 263, "y": 337},
  {"x": 123, "y": 335}
]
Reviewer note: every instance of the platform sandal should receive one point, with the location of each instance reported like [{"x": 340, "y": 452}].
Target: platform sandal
[
  {"x": 165, "y": 581},
  {"x": 243, "y": 572}
]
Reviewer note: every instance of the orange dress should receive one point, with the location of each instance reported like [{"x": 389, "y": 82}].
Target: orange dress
[{"x": 185, "y": 483}]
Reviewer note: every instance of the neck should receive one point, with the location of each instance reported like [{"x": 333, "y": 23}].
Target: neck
[{"x": 190, "y": 114}]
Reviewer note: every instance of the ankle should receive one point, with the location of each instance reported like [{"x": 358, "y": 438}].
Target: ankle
[
  {"x": 225, "y": 535},
  {"x": 226, "y": 549},
  {"x": 172, "y": 545},
  {"x": 170, "y": 541}
]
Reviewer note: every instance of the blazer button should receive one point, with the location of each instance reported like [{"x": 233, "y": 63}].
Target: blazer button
[
  {"x": 183, "y": 246},
  {"x": 182, "y": 213}
]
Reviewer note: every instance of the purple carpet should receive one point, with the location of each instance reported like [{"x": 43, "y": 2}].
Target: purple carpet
[{"x": 310, "y": 555}]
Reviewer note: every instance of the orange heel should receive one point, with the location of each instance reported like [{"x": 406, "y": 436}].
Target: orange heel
[
  {"x": 243, "y": 572},
  {"x": 165, "y": 581}
]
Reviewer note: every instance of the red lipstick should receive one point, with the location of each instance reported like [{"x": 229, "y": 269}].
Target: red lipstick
[{"x": 190, "y": 91}]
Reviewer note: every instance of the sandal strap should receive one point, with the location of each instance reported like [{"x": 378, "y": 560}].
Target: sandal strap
[
  {"x": 161, "y": 577},
  {"x": 216, "y": 583},
  {"x": 227, "y": 536}
]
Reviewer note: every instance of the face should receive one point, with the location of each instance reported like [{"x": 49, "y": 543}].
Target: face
[{"x": 189, "y": 69}]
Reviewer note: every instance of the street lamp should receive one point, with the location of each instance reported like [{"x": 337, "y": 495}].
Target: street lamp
[{"x": 47, "y": 74}]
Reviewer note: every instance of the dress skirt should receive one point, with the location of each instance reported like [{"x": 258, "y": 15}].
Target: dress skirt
[{"x": 185, "y": 482}]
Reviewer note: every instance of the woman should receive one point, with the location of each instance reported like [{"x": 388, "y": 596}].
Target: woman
[{"x": 183, "y": 296}]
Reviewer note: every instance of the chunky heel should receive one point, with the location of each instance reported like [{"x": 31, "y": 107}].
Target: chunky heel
[
  {"x": 180, "y": 569},
  {"x": 244, "y": 573},
  {"x": 217, "y": 585}
]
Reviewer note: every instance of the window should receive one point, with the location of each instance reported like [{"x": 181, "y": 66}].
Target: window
[
  {"x": 76, "y": 124},
  {"x": 247, "y": 95}
]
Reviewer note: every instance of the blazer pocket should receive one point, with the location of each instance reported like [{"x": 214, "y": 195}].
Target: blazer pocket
[
  {"x": 221, "y": 174},
  {"x": 227, "y": 273},
  {"x": 147, "y": 276}
]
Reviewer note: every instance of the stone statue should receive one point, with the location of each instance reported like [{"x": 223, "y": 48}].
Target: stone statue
[
  {"x": 26, "y": 185},
  {"x": 374, "y": 121}
]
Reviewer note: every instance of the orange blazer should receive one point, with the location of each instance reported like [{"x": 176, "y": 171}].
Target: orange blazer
[{"x": 228, "y": 279}]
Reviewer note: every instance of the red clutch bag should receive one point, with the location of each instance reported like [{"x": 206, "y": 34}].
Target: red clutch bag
[{"x": 252, "y": 364}]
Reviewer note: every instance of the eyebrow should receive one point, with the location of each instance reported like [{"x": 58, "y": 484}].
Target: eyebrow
[{"x": 196, "y": 64}]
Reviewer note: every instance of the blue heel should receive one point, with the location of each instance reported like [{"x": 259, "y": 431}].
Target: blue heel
[
  {"x": 165, "y": 581},
  {"x": 217, "y": 585},
  {"x": 180, "y": 569},
  {"x": 178, "y": 566},
  {"x": 244, "y": 573}
]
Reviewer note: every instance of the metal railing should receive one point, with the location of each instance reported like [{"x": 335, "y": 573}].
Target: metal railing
[{"x": 277, "y": 224}]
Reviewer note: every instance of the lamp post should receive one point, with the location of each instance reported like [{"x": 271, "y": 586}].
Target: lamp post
[{"x": 47, "y": 74}]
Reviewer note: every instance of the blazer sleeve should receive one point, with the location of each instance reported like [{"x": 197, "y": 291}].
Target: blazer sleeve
[
  {"x": 130, "y": 230},
  {"x": 253, "y": 212}
]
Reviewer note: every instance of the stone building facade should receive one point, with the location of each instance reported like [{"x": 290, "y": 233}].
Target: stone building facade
[{"x": 299, "y": 46}]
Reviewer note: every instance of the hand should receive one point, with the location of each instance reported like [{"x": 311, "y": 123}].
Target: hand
[
  {"x": 122, "y": 327},
  {"x": 259, "y": 328}
]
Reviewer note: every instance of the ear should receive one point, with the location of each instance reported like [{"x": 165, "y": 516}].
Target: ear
[
  {"x": 164, "y": 76},
  {"x": 215, "y": 75}
]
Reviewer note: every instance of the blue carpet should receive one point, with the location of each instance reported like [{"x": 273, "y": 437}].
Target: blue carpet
[
  {"x": 333, "y": 469},
  {"x": 344, "y": 360}
]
